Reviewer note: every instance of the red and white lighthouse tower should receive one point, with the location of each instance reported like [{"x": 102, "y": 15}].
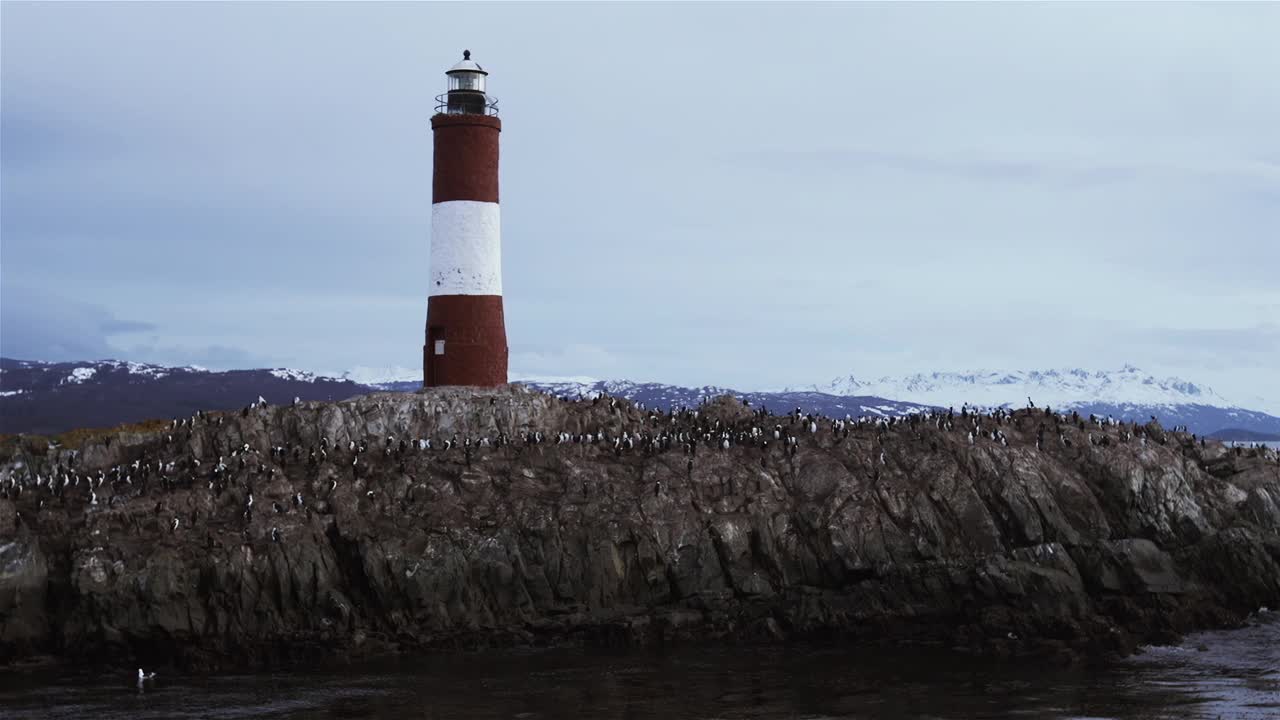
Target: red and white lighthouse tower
[{"x": 466, "y": 336}]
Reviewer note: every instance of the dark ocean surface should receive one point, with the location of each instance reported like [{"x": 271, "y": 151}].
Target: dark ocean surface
[{"x": 1233, "y": 675}]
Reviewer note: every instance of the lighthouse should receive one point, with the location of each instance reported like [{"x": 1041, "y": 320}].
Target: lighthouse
[{"x": 466, "y": 341}]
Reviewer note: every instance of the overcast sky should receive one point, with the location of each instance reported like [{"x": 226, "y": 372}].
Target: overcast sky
[{"x": 747, "y": 195}]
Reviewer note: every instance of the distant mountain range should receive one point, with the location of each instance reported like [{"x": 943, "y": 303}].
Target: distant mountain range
[
  {"x": 48, "y": 398},
  {"x": 1199, "y": 417},
  {"x": 1126, "y": 386}
]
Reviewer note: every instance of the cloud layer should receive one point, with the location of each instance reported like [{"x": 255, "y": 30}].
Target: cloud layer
[{"x": 751, "y": 195}]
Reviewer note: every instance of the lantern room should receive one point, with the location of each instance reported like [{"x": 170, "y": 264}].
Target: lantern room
[{"x": 466, "y": 94}]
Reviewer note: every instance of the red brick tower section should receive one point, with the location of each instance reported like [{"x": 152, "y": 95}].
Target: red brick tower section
[{"x": 466, "y": 337}]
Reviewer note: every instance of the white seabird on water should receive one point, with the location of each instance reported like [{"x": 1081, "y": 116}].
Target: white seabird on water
[{"x": 144, "y": 678}]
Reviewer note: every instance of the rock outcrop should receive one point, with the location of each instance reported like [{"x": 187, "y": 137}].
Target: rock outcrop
[{"x": 1027, "y": 534}]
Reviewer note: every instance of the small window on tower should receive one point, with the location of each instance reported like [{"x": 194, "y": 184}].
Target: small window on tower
[{"x": 439, "y": 347}]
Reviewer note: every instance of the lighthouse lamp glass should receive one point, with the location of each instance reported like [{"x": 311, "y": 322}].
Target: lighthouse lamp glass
[{"x": 466, "y": 81}]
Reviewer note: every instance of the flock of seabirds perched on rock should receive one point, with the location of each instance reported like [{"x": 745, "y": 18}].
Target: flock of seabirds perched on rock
[{"x": 232, "y": 473}]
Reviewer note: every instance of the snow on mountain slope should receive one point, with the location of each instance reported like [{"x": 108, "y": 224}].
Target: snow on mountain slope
[
  {"x": 658, "y": 394},
  {"x": 1056, "y": 388},
  {"x": 380, "y": 376},
  {"x": 662, "y": 397},
  {"x": 47, "y": 398},
  {"x": 549, "y": 379},
  {"x": 291, "y": 374},
  {"x": 79, "y": 375}
]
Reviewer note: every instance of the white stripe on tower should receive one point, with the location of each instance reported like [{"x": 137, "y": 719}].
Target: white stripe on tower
[{"x": 466, "y": 248}]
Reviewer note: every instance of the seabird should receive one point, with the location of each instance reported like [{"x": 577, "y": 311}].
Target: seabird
[{"x": 144, "y": 678}]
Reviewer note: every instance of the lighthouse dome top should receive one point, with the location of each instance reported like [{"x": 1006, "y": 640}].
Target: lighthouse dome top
[{"x": 466, "y": 65}]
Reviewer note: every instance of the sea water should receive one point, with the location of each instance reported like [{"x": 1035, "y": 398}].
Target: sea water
[{"x": 1232, "y": 674}]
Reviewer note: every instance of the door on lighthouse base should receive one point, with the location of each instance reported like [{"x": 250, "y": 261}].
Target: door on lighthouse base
[{"x": 435, "y": 354}]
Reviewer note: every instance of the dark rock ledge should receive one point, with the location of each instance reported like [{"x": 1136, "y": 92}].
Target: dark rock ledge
[{"x": 1106, "y": 538}]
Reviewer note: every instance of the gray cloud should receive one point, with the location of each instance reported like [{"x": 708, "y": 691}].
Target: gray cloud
[
  {"x": 843, "y": 162},
  {"x": 43, "y": 326},
  {"x": 1224, "y": 346},
  {"x": 216, "y": 357},
  {"x": 118, "y": 327},
  {"x": 1014, "y": 168},
  {"x": 40, "y": 326}
]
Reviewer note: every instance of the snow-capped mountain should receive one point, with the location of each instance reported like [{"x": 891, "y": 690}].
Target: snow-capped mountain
[
  {"x": 658, "y": 395},
  {"x": 381, "y": 377},
  {"x": 1066, "y": 388},
  {"x": 1128, "y": 394},
  {"x": 49, "y": 398},
  {"x": 663, "y": 396}
]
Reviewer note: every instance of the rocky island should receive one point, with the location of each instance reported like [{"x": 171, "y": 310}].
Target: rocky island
[{"x": 460, "y": 518}]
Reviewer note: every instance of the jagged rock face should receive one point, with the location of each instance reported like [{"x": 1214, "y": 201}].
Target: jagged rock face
[{"x": 904, "y": 533}]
